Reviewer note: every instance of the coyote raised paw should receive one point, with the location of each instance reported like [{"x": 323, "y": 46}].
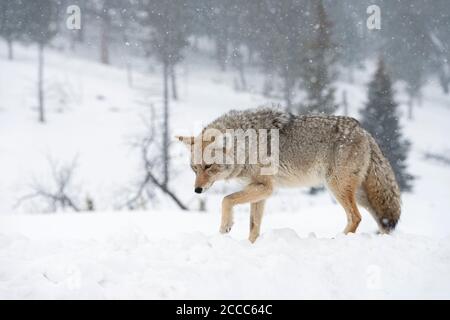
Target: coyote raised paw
[{"x": 226, "y": 227}]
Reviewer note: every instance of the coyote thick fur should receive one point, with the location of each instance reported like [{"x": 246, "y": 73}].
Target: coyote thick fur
[{"x": 334, "y": 151}]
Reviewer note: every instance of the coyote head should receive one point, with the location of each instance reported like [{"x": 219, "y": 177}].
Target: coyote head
[{"x": 206, "y": 169}]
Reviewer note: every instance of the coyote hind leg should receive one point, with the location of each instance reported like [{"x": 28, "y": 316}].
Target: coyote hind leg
[{"x": 345, "y": 195}]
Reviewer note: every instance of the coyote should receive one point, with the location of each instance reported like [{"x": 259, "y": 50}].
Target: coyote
[{"x": 334, "y": 151}]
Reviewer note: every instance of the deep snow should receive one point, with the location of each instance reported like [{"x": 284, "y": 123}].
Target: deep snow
[
  {"x": 174, "y": 255},
  {"x": 165, "y": 253}
]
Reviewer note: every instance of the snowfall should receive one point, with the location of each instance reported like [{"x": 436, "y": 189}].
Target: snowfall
[{"x": 161, "y": 252}]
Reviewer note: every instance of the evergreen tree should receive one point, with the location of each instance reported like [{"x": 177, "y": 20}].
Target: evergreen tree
[
  {"x": 318, "y": 70},
  {"x": 380, "y": 118}
]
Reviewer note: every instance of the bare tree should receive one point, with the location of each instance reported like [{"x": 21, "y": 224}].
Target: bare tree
[
  {"x": 60, "y": 195},
  {"x": 107, "y": 13},
  {"x": 173, "y": 80},
  {"x": 41, "y": 28},
  {"x": 105, "y": 35},
  {"x": 237, "y": 61},
  {"x": 167, "y": 24},
  {"x": 439, "y": 157},
  {"x": 152, "y": 160},
  {"x": 11, "y": 23}
]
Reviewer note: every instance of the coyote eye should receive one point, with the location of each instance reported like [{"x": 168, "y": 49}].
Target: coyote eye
[{"x": 207, "y": 166}]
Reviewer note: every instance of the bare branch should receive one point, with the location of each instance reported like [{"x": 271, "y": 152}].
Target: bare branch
[
  {"x": 59, "y": 196},
  {"x": 151, "y": 161}
]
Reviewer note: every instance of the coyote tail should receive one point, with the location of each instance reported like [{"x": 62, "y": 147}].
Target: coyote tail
[{"x": 382, "y": 190}]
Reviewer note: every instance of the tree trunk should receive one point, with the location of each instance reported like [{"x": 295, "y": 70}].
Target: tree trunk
[
  {"x": 351, "y": 74},
  {"x": 287, "y": 91},
  {"x": 221, "y": 53},
  {"x": 166, "y": 125},
  {"x": 72, "y": 41},
  {"x": 410, "y": 108},
  {"x": 287, "y": 99},
  {"x": 166, "y": 191},
  {"x": 104, "y": 39},
  {"x": 268, "y": 85},
  {"x": 41, "y": 83},
  {"x": 250, "y": 56},
  {"x": 128, "y": 64},
  {"x": 445, "y": 86},
  {"x": 173, "y": 80},
  {"x": 80, "y": 35},
  {"x": 195, "y": 44},
  {"x": 345, "y": 102},
  {"x": 129, "y": 74},
  {"x": 242, "y": 77},
  {"x": 10, "y": 50},
  {"x": 444, "y": 81}
]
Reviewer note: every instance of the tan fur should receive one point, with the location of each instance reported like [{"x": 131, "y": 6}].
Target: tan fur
[
  {"x": 256, "y": 213},
  {"x": 331, "y": 150},
  {"x": 382, "y": 191},
  {"x": 254, "y": 193}
]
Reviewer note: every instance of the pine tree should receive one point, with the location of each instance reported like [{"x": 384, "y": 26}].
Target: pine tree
[
  {"x": 318, "y": 70},
  {"x": 380, "y": 118}
]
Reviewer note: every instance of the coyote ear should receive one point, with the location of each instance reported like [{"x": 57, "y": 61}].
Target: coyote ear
[{"x": 186, "y": 140}]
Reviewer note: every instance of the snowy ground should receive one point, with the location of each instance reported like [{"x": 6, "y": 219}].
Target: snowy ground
[
  {"x": 174, "y": 255},
  {"x": 165, "y": 253}
]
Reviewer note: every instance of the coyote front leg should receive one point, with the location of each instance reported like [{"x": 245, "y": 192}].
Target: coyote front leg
[
  {"x": 256, "y": 213},
  {"x": 253, "y": 193}
]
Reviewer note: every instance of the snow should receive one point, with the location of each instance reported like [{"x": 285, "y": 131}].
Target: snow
[
  {"x": 173, "y": 255},
  {"x": 167, "y": 254}
]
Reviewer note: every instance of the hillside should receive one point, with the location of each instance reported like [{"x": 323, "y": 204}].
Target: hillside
[{"x": 161, "y": 252}]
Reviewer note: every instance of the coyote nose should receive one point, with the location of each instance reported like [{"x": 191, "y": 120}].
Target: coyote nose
[{"x": 198, "y": 190}]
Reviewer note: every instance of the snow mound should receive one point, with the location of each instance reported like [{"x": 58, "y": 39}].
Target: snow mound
[{"x": 132, "y": 262}]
